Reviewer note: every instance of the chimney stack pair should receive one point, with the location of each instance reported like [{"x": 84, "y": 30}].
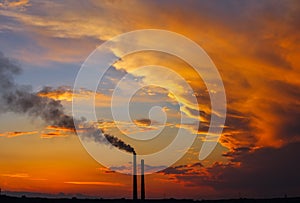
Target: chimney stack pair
[{"x": 135, "y": 193}]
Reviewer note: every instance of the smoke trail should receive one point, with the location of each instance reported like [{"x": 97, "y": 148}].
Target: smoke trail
[
  {"x": 93, "y": 134},
  {"x": 119, "y": 143},
  {"x": 19, "y": 99}
]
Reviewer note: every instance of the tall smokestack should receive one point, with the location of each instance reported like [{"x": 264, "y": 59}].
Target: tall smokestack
[
  {"x": 142, "y": 180},
  {"x": 134, "y": 178}
]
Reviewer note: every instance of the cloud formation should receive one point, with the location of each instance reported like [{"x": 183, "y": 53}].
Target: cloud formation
[
  {"x": 94, "y": 183},
  {"x": 254, "y": 44},
  {"x": 263, "y": 172},
  {"x": 17, "y": 133}
]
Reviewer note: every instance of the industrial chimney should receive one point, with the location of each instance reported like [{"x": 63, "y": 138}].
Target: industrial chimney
[
  {"x": 134, "y": 174},
  {"x": 142, "y": 180}
]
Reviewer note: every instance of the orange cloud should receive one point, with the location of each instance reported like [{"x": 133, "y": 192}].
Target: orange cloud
[
  {"x": 94, "y": 183},
  {"x": 53, "y": 135},
  {"x": 65, "y": 93},
  {"x": 143, "y": 122},
  {"x": 137, "y": 126},
  {"x": 16, "y": 134},
  {"x": 54, "y": 132},
  {"x": 16, "y": 175},
  {"x": 60, "y": 129},
  {"x": 12, "y": 4},
  {"x": 62, "y": 93},
  {"x": 22, "y": 176}
]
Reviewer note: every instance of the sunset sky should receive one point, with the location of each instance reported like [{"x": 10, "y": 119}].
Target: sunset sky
[{"x": 255, "y": 46}]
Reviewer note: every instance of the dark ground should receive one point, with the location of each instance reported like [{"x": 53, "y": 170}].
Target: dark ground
[{"x": 4, "y": 199}]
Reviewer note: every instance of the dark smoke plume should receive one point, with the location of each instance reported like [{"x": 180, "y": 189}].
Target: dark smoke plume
[
  {"x": 93, "y": 134},
  {"x": 119, "y": 143},
  {"x": 20, "y": 99}
]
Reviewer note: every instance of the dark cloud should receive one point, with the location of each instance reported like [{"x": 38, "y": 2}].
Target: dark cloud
[
  {"x": 270, "y": 170},
  {"x": 236, "y": 119},
  {"x": 239, "y": 131},
  {"x": 287, "y": 128},
  {"x": 285, "y": 89},
  {"x": 274, "y": 58},
  {"x": 280, "y": 113},
  {"x": 186, "y": 169},
  {"x": 176, "y": 170},
  {"x": 197, "y": 164},
  {"x": 235, "y": 153},
  {"x": 59, "y": 90},
  {"x": 128, "y": 167},
  {"x": 266, "y": 171}
]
